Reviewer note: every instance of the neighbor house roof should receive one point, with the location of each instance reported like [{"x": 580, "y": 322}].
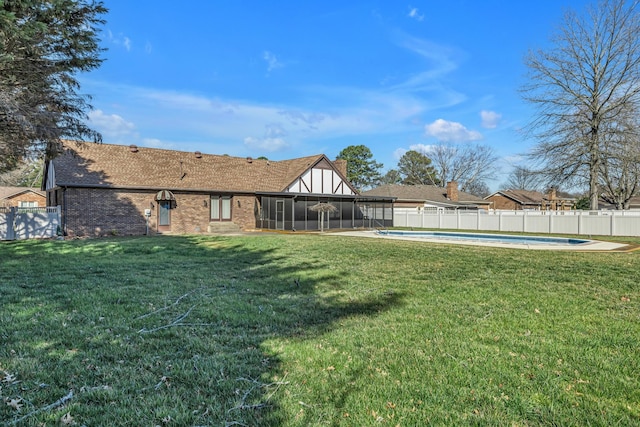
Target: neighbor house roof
[
  {"x": 530, "y": 197},
  {"x": 634, "y": 203},
  {"x": 523, "y": 197},
  {"x": 104, "y": 165},
  {"x": 422, "y": 193},
  {"x": 7, "y": 192}
]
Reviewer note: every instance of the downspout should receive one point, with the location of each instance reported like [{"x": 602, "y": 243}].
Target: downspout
[{"x": 64, "y": 210}]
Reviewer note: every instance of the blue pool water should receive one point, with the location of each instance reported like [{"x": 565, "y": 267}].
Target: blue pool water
[{"x": 492, "y": 238}]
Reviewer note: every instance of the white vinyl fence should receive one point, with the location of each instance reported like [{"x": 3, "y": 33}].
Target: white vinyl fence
[
  {"x": 29, "y": 223},
  {"x": 595, "y": 223}
]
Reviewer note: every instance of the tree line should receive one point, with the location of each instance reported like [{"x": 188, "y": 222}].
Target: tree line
[{"x": 470, "y": 166}]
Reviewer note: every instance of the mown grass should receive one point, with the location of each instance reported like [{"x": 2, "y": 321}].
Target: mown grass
[{"x": 315, "y": 330}]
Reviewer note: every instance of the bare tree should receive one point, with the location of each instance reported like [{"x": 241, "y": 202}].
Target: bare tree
[
  {"x": 524, "y": 178},
  {"x": 470, "y": 165},
  {"x": 582, "y": 86},
  {"x": 620, "y": 165}
]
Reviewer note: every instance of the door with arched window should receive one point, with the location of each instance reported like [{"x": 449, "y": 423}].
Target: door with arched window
[{"x": 166, "y": 202}]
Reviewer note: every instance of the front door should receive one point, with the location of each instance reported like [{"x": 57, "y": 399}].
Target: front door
[{"x": 164, "y": 215}]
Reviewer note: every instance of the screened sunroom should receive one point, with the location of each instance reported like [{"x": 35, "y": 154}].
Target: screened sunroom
[{"x": 294, "y": 212}]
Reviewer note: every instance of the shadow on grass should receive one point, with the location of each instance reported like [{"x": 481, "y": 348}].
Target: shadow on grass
[{"x": 161, "y": 330}]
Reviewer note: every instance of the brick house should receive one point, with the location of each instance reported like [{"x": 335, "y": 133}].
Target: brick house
[
  {"x": 516, "y": 200},
  {"x": 108, "y": 189},
  {"x": 429, "y": 196},
  {"x": 22, "y": 197}
]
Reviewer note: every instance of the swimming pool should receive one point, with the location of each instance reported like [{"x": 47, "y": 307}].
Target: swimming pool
[{"x": 489, "y": 238}]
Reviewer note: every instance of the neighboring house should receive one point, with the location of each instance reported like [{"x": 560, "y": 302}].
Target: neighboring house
[
  {"x": 113, "y": 189},
  {"x": 22, "y": 197},
  {"x": 517, "y": 200},
  {"x": 428, "y": 196},
  {"x": 634, "y": 204}
]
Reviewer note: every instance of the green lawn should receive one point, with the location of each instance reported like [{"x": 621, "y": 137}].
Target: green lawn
[{"x": 300, "y": 330}]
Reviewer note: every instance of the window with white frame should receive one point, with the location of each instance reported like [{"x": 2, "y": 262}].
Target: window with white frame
[
  {"x": 22, "y": 204},
  {"x": 220, "y": 208}
]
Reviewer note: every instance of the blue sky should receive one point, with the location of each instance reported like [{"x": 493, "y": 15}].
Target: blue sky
[{"x": 288, "y": 79}]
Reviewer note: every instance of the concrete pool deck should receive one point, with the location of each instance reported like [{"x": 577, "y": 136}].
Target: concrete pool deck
[{"x": 591, "y": 245}]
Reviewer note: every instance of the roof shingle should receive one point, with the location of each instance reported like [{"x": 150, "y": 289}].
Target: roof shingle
[
  {"x": 420, "y": 193},
  {"x": 107, "y": 165}
]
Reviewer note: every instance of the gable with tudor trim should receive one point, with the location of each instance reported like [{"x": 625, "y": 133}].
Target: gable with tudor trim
[{"x": 322, "y": 178}]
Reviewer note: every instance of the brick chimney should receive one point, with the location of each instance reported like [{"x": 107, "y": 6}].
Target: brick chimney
[
  {"x": 341, "y": 165},
  {"x": 452, "y": 191}
]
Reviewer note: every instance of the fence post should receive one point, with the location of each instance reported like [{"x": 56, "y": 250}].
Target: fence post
[
  {"x": 579, "y": 222},
  {"x": 611, "y": 225},
  {"x": 11, "y": 223}
]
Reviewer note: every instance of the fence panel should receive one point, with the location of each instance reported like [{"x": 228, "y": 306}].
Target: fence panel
[
  {"x": 29, "y": 223},
  {"x": 511, "y": 222},
  {"x": 564, "y": 224},
  {"x": 599, "y": 225},
  {"x": 596, "y": 223},
  {"x": 468, "y": 220},
  {"x": 6, "y": 224},
  {"x": 538, "y": 223},
  {"x": 625, "y": 226}
]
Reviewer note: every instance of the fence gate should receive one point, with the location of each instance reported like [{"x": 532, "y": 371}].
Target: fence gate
[
  {"x": 29, "y": 223},
  {"x": 7, "y": 218}
]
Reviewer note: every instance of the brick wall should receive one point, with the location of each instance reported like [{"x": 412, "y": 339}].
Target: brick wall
[
  {"x": 104, "y": 212},
  {"x": 244, "y": 211},
  {"x": 24, "y": 197},
  {"x": 501, "y": 202}
]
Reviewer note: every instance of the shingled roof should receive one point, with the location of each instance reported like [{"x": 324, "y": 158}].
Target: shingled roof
[
  {"x": 118, "y": 166},
  {"x": 524, "y": 197},
  {"x": 421, "y": 193},
  {"x": 6, "y": 192}
]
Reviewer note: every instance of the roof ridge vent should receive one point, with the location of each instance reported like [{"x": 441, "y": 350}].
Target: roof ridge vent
[
  {"x": 198, "y": 155},
  {"x": 249, "y": 159},
  {"x": 133, "y": 148}
]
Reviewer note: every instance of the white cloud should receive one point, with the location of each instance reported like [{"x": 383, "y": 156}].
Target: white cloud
[
  {"x": 179, "y": 101},
  {"x": 273, "y": 139},
  {"x": 446, "y": 131},
  {"x": 119, "y": 40},
  {"x": 272, "y": 61},
  {"x": 398, "y": 153},
  {"x": 413, "y": 13},
  {"x": 439, "y": 62},
  {"x": 490, "y": 119},
  {"x": 266, "y": 144},
  {"x": 156, "y": 143},
  {"x": 111, "y": 126},
  {"x": 421, "y": 148}
]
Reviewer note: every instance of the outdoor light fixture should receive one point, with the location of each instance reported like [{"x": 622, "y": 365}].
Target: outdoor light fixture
[
  {"x": 151, "y": 204},
  {"x": 238, "y": 203},
  {"x": 204, "y": 203}
]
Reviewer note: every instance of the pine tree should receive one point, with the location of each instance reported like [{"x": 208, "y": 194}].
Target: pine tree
[{"x": 43, "y": 45}]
